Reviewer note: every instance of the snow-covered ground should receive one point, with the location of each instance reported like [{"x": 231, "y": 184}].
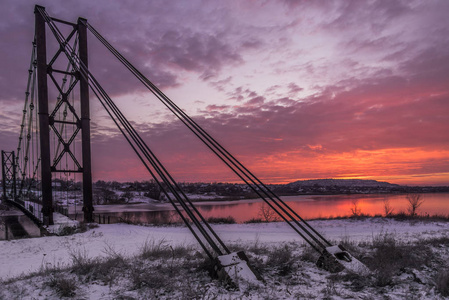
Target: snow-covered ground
[{"x": 21, "y": 257}]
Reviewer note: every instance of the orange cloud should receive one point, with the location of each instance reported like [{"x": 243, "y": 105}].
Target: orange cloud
[{"x": 398, "y": 165}]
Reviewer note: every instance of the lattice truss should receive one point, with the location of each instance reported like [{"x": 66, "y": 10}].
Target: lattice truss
[
  {"x": 9, "y": 174},
  {"x": 64, "y": 120}
]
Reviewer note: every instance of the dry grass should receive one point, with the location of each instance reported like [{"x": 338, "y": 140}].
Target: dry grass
[
  {"x": 442, "y": 281},
  {"x": 255, "y": 220},
  {"x": 390, "y": 257},
  {"x": 222, "y": 220},
  {"x": 163, "y": 271},
  {"x": 64, "y": 286}
]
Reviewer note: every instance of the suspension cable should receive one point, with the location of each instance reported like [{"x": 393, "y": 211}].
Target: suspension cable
[
  {"x": 206, "y": 139},
  {"x": 308, "y": 233},
  {"x": 249, "y": 178},
  {"x": 121, "y": 121},
  {"x": 24, "y": 154}
]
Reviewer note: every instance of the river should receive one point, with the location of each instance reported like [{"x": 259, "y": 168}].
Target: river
[{"x": 307, "y": 206}]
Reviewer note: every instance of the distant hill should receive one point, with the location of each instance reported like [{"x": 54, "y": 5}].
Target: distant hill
[{"x": 342, "y": 183}]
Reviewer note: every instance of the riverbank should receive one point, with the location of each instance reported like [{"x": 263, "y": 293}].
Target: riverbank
[
  {"x": 308, "y": 207},
  {"x": 34, "y": 268}
]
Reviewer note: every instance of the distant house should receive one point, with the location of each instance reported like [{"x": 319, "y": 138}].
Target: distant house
[{"x": 126, "y": 187}]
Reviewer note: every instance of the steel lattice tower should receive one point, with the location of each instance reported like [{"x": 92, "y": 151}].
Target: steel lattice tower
[{"x": 46, "y": 121}]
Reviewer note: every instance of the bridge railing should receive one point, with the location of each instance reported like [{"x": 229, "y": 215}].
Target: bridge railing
[
  {"x": 102, "y": 219},
  {"x": 61, "y": 209}
]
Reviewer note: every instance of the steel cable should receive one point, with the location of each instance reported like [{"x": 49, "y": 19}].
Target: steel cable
[
  {"x": 222, "y": 153},
  {"x": 100, "y": 93}
]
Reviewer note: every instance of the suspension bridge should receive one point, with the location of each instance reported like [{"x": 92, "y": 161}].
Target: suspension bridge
[{"x": 54, "y": 143}]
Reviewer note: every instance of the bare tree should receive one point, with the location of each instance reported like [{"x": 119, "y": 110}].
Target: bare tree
[
  {"x": 387, "y": 207},
  {"x": 127, "y": 196},
  {"x": 355, "y": 209},
  {"x": 108, "y": 196},
  {"x": 267, "y": 214},
  {"x": 153, "y": 190},
  {"x": 414, "y": 202}
]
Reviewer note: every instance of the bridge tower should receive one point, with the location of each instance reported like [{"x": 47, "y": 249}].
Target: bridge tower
[
  {"x": 9, "y": 175},
  {"x": 48, "y": 121}
]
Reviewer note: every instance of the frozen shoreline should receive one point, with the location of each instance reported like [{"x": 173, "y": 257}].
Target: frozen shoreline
[{"x": 24, "y": 256}]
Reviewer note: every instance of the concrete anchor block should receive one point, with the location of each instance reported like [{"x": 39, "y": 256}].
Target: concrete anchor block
[
  {"x": 337, "y": 258},
  {"x": 235, "y": 270}
]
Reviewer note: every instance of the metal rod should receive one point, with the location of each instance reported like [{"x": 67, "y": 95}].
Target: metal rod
[
  {"x": 228, "y": 159},
  {"x": 65, "y": 122},
  {"x": 4, "y": 175},
  {"x": 63, "y": 22},
  {"x": 62, "y": 72},
  {"x": 66, "y": 171},
  {"x": 14, "y": 186}
]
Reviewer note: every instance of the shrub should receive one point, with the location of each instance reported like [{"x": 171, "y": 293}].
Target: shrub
[
  {"x": 414, "y": 202},
  {"x": 152, "y": 249},
  {"x": 309, "y": 254},
  {"x": 350, "y": 245},
  {"x": 355, "y": 209},
  {"x": 81, "y": 263},
  {"x": 390, "y": 257},
  {"x": 279, "y": 255},
  {"x": 330, "y": 290},
  {"x": 400, "y": 216},
  {"x": 388, "y": 209},
  {"x": 385, "y": 258},
  {"x": 104, "y": 269},
  {"x": 442, "y": 282},
  {"x": 257, "y": 248},
  {"x": 254, "y": 220},
  {"x": 109, "y": 269},
  {"x": 360, "y": 216},
  {"x": 267, "y": 214},
  {"x": 64, "y": 230},
  {"x": 63, "y": 286},
  {"x": 438, "y": 241},
  {"x": 141, "y": 277},
  {"x": 281, "y": 258},
  {"x": 221, "y": 220},
  {"x": 83, "y": 226}
]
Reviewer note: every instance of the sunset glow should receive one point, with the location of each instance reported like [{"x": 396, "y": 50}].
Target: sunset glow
[{"x": 294, "y": 89}]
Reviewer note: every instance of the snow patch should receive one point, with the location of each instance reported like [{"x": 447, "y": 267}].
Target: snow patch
[{"x": 61, "y": 222}]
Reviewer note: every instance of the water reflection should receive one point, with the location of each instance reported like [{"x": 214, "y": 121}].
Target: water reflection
[
  {"x": 308, "y": 207},
  {"x": 134, "y": 217}
]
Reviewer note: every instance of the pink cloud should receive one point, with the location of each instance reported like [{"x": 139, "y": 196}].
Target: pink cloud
[{"x": 377, "y": 85}]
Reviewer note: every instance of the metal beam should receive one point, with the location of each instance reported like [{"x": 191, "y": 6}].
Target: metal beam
[
  {"x": 4, "y": 175},
  {"x": 14, "y": 185},
  {"x": 85, "y": 125},
  {"x": 9, "y": 176},
  {"x": 44, "y": 127}
]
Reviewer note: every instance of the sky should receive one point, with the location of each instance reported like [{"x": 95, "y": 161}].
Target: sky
[{"x": 294, "y": 89}]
